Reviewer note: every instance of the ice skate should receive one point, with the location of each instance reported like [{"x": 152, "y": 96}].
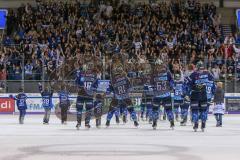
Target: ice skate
[
  {"x": 107, "y": 123},
  {"x": 172, "y": 125},
  {"x": 87, "y": 126},
  {"x": 154, "y": 125},
  {"x": 124, "y": 119},
  {"x": 136, "y": 124},
  {"x": 117, "y": 120},
  {"x": 203, "y": 126},
  {"x": 142, "y": 118},
  {"x": 195, "y": 127},
  {"x": 21, "y": 120},
  {"x": 177, "y": 117},
  {"x": 64, "y": 123},
  {"x": 45, "y": 123},
  {"x": 150, "y": 121},
  {"x": 78, "y": 126},
  {"x": 183, "y": 122},
  {"x": 98, "y": 123},
  {"x": 164, "y": 117}
]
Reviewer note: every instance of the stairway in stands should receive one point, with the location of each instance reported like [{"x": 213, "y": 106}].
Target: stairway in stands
[
  {"x": 226, "y": 29},
  {"x": 228, "y": 19},
  {"x": 1, "y": 36}
]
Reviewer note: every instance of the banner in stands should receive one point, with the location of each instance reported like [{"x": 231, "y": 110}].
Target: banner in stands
[
  {"x": 7, "y": 105},
  {"x": 232, "y": 102},
  {"x": 238, "y": 17},
  {"x": 3, "y": 18}
]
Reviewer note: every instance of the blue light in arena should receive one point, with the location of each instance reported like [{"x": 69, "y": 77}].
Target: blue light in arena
[
  {"x": 3, "y": 18},
  {"x": 238, "y": 17}
]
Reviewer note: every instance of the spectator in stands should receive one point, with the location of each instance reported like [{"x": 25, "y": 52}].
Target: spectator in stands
[
  {"x": 28, "y": 70},
  {"x": 3, "y": 77},
  {"x": 216, "y": 72},
  {"x": 54, "y": 33}
]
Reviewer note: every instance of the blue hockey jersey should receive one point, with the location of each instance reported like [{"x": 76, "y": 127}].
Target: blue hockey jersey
[
  {"x": 180, "y": 90},
  {"x": 211, "y": 87},
  {"x": 163, "y": 84},
  {"x": 86, "y": 81},
  {"x": 148, "y": 91},
  {"x": 46, "y": 98},
  {"x": 198, "y": 84},
  {"x": 120, "y": 85},
  {"x": 64, "y": 97},
  {"x": 21, "y": 101}
]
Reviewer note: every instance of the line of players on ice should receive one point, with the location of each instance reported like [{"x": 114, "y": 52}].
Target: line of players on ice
[{"x": 195, "y": 92}]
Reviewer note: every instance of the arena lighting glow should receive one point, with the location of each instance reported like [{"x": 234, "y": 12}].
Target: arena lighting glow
[
  {"x": 238, "y": 17},
  {"x": 3, "y": 18}
]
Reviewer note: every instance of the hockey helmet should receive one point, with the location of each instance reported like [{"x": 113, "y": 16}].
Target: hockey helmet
[
  {"x": 177, "y": 76},
  {"x": 200, "y": 65}
]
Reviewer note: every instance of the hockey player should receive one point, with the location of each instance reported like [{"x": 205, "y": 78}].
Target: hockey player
[
  {"x": 147, "y": 103},
  {"x": 85, "y": 80},
  {"x": 120, "y": 86},
  {"x": 210, "y": 88},
  {"x": 21, "y": 104},
  {"x": 98, "y": 107},
  {"x": 163, "y": 83},
  {"x": 190, "y": 69},
  {"x": 147, "y": 94},
  {"x": 123, "y": 113},
  {"x": 64, "y": 103},
  {"x": 117, "y": 115},
  {"x": 180, "y": 92},
  {"x": 47, "y": 103},
  {"x": 199, "y": 102}
]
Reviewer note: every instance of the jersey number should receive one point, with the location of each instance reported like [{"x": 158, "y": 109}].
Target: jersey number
[
  {"x": 178, "y": 92},
  {"x": 88, "y": 85},
  {"x": 21, "y": 102},
  {"x": 46, "y": 101},
  {"x": 162, "y": 86},
  {"x": 209, "y": 89},
  {"x": 121, "y": 90}
]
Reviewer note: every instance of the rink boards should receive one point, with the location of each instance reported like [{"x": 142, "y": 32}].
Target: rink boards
[{"x": 34, "y": 102}]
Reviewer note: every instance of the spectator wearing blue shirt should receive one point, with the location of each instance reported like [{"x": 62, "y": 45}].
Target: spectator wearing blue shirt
[{"x": 28, "y": 71}]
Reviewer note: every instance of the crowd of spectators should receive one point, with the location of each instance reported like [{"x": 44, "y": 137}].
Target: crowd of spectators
[{"x": 42, "y": 39}]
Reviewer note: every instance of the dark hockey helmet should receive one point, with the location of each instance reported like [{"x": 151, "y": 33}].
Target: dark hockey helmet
[
  {"x": 160, "y": 67},
  {"x": 177, "y": 76},
  {"x": 117, "y": 69},
  {"x": 46, "y": 88},
  {"x": 200, "y": 65},
  {"x": 88, "y": 66}
]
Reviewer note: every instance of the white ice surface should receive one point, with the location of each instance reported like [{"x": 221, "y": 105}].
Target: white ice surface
[{"x": 34, "y": 141}]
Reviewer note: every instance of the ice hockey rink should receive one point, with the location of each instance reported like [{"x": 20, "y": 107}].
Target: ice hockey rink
[{"x": 34, "y": 141}]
